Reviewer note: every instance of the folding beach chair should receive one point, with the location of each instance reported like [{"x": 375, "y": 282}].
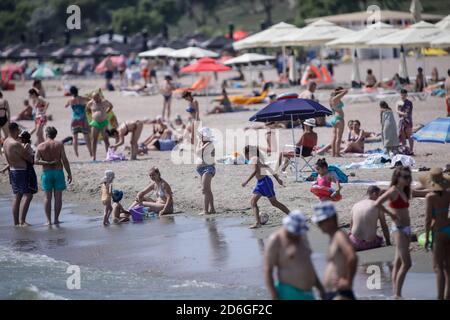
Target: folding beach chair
[{"x": 306, "y": 155}]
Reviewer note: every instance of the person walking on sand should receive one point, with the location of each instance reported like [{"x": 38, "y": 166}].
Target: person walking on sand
[
  {"x": 79, "y": 121},
  {"x": 166, "y": 92},
  {"x": 52, "y": 178},
  {"x": 337, "y": 121},
  {"x": 437, "y": 227},
  {"x": 40, "y": 107},
  {"x": 18, "y": 156},
  {"x": 363, "y": 225},
  {"x": 288, "y": 252},
  {"x": 342, "y": 259},
  {"x": 99, "y": 107},
  {"x": 405, "y": 123},
  {"x": 447, "y": 93},
  {"x": 205, "y": 153},
  {"x": 133, "y": 127},
  {"x": 5, "y": 116},
  {"x": 398, "y": 196},
  {"x": 264, "y": 185},
  {"x": 164, "y": 197}
]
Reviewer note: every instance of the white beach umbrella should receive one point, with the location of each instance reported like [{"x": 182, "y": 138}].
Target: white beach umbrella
[
  {"x": 403, "y": 69},
  {"x": 248, "y": 58},
  {"x": 356, "y": 75},
  {"x": 315, "y": 34},
  {"x": 416, "y": 10},
  {"x": 441, "y": 41},
  {"x": 444, "y": 23},
  {"x": 417, "y": 35},
  {"x": 359, "y": 39},
  {"x": 193, "y": 53},
  {"x": 263, "y": 39},
  {"x": 42, "y": 72},
  {"x": 158, "y": 52}
]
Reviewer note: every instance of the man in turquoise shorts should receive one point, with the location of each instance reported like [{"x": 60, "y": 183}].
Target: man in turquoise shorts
[
  {"x": 288, "y": 251},
  {"x": 51, "y": 155}
]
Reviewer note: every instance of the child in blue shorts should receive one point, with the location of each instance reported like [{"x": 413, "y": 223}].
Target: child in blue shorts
[{"x": 264, "y": 185}]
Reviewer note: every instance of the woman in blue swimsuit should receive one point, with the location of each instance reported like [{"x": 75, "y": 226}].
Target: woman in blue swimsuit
[
  {"x": 337, "y": 121},
  {"x": 437, "y": 223}
]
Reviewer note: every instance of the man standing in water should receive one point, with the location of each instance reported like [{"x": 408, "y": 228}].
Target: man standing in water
[
  {"x": 52, "y": 179},
  {"x": 99, "y": 107},
  {"x": 17, "y": 155},
  {"x": 342, "y": 259},
  {"x": 288, "y": 251}
]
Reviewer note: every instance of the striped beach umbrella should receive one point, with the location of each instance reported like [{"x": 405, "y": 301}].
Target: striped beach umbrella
[{"x": 437, "y": 130}]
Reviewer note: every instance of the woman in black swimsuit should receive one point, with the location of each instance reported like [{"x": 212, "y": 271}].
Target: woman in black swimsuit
[{"x": 5, "y": 116}]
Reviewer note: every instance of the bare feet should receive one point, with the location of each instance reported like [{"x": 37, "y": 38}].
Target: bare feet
[
  {"x": 49, "y": 223},
  {"x": 57, "y": 222},
  {"x": 203, "y": 213},
  {"x": 212, "y": 211},
  {"x": 255, "y": 226},
  {"x": 25, "y": 224}
]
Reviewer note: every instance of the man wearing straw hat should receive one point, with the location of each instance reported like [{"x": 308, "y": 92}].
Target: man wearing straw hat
[
  {"x": 342, "y": 259},
  {"x": 288, "y": 251}
]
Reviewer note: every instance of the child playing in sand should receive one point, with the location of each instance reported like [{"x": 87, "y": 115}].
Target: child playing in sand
[
  {"x": 107, "y": 195},
  {"x": 264, "y": 186},
  {"x": 118, "y": 211},
  {"x": 322, "y": 188}
]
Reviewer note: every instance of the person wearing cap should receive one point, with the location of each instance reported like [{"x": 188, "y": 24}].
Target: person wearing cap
[
  {"x": 205, "y": 153},
  {"x": 304, "y": 146},
  {"x": 264, "y": 184},
  {"x": 342, "y": 259},
  {"x": 288, "y": 253},
  {"x": 437, "y": 225},
  {"x": 119, "y": 213},
  {"x": 405, "y": 122},
  {"x": 363, "y": 225},
  {"x": 79, "y": 122}
]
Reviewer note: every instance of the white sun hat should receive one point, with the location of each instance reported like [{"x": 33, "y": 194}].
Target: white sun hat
[
  {"x": 310, "y": 122},
  {"x": 323, "y": 211},
  {"x": 205, "y": 133},
  {"x": 295, "y": 223}
]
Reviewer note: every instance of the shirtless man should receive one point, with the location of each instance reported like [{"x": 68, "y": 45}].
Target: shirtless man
[
  {"x": 365, "y": 216},
  {"x": 133, "y": 127},
  {"x": 52, "y": 178},
  {"x": 17, "y": 155},
  {"x": 288, "y": 251},
  {"x": 342, "y": 259},
  {"x": 5, "y": 116},
  {"x": 99, "y": 107},
  {"x": 447, "y": 92}
]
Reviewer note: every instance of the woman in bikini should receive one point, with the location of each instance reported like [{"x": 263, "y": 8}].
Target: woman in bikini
[
  {"x": 166, "y": 92},
  {"x": 356, "y": 137},
  {"x": 40, "y": 107},
  {"x": 5, "y": 116},
  {"x": 99, "y": 107},
  {"x": 133, "y": 127},
  {"x": 79, "y": 121},
  {"x": 398, "y": 196},
  {"x": 437, "y": 223},
  {"x": 205, "y": 152},
  {"x": 337, "y": 121},
  {"x": 164, "y": 197}
]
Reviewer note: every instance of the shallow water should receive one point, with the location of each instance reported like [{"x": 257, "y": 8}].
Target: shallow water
[{"x": 176, "y": 257}]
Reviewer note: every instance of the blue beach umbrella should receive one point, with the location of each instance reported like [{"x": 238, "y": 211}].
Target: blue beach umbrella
[
  {"x": 291, "y": 110},
  {"x": 437, "y": 130}
]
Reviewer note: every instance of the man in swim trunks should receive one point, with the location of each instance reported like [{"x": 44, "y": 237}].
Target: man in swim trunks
[
  {"x": 17, "y": 157},
  {"x": 447, "y": 93},
  {"x": 52, "y": 178},
  {"x": 289, "y": 252},
  {"x": 405, "y": 122},
  {"x": 365, "y": 216},
  {"x": 99, "y": 108},
  {"x": 342, "y": 259}
]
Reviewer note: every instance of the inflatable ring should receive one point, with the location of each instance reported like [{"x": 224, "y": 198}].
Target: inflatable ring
[
  {"x": 325, "y": 192},
  {"x": 287, "y": 95}
]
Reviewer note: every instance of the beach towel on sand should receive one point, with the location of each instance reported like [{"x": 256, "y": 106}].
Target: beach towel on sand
[{"x": 112, "y": 155}]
